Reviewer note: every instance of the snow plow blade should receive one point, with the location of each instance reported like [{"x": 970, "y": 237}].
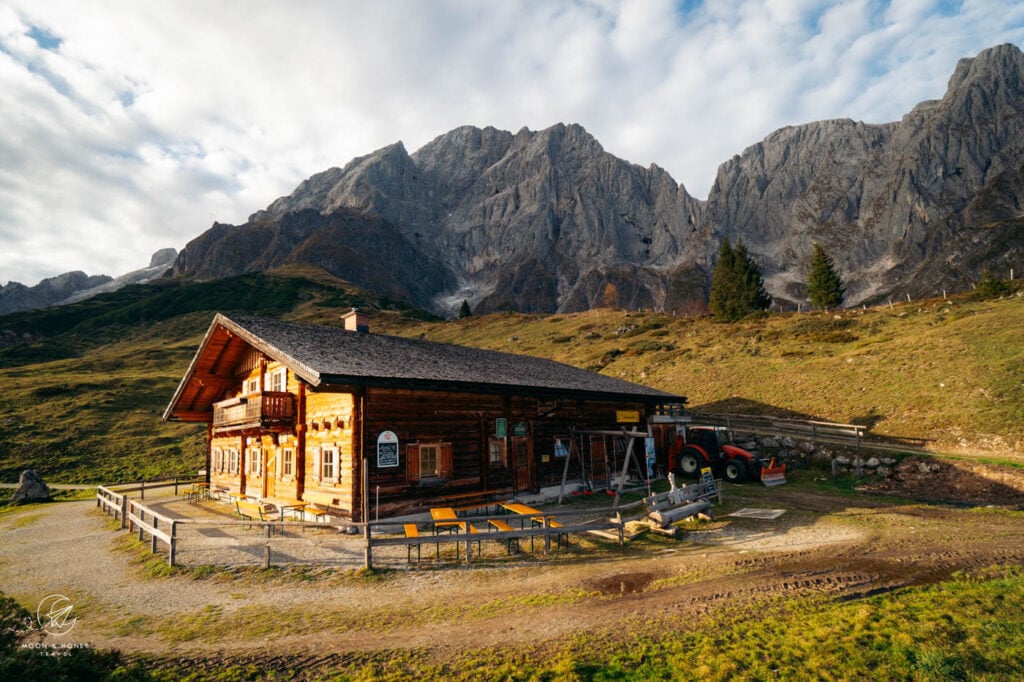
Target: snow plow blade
[{"x": 773, "y": 474}]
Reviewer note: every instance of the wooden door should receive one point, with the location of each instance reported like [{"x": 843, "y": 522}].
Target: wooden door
[
  {"x": 269, "y": 472},
  {"x": 522, "y": 464}
]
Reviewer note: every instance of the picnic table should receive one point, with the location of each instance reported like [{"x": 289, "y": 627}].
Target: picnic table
[{"x": 446, "y": 519}]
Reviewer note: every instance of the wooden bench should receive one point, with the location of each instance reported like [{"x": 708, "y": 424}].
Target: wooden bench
[
  {"x": 499, "y": 525},
  {"x": 318, "y": 513},
  {"x": 412, "y": 532},
  {"x": 550, "y": 523}
]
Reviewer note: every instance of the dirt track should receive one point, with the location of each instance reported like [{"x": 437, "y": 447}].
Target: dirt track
[{"x": 842, "y": 545}]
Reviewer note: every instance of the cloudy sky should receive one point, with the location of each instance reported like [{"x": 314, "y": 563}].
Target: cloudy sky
[{"x": 128, "y": 126}]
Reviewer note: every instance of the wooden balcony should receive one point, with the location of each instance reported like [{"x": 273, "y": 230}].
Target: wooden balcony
[{"x": 266, "y": 411}]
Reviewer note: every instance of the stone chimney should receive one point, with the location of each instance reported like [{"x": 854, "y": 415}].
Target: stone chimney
[{"x": 357, "y": 321}]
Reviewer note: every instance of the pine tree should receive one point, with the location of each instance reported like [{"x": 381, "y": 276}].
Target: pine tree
[
  {"x": 754, "y": 293},
  {"x": 464, "y": 310},
  {"x": 737, "y": 288},
  {"x": 824, "y": 287}
]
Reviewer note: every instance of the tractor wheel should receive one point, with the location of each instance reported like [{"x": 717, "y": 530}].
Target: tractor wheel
[
  {"x": 690, "y": 462},
  {"x": 735, "y": 471}
]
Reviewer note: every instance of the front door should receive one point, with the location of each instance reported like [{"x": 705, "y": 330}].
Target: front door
[
  {"x": 522, "y": 464},
  {"x": 269, "y": 471}
]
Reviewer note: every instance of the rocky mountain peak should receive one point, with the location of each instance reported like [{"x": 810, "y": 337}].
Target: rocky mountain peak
[{"x": 548, "y": 220}]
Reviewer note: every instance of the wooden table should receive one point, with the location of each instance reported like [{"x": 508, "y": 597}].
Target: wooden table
[
  {"x": 197, "y": 491},
  {"x": 446, "y": 519}
]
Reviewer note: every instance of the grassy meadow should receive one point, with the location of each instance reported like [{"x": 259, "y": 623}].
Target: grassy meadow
[{"x": 82, "y": 402}]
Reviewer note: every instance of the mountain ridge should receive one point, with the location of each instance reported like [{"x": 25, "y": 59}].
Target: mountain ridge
[{"x": 548, "y": 221}]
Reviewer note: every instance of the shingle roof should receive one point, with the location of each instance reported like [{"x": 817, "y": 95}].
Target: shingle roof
[{"x": 331, "y": 355}]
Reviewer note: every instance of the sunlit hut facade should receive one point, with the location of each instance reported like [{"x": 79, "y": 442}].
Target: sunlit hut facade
[{"x": 296, "y": 411}]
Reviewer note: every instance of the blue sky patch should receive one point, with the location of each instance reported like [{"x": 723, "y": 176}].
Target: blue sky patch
[{"x": 44, "y": 38}]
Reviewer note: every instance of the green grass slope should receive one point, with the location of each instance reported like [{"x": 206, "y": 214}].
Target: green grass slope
[
  {"x": 950, "y": 372},
  {"x": 82, "y": 402}
]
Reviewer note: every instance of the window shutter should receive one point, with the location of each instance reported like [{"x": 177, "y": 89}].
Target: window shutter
[
  {"x": 277, "y": 463},
  {"x": 316, "y": 464},
  {"x": 444, "y": 461},
  {"x": 412, "y": 462}
]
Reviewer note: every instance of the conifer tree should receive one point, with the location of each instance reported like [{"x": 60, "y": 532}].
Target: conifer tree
[
  {"x": 754, "y": 293},
  {"x": 824, "y": 287},
  {"x": 464, "y": 310},
  {"x": 737, "y": 288}
]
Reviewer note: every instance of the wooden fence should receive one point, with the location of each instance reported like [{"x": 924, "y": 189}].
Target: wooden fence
[
  {"x": 163, "y": 531},
  {"x": 820, "y": 432}
]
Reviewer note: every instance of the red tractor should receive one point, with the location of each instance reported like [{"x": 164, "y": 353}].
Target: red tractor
[{"x": 697, "y": 447}]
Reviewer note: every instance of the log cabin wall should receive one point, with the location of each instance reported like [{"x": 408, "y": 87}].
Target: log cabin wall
[
  {"x": 467, "y": 424},
  {"x": 225, "y": 463},
  {"x": 329, "y": 471}
]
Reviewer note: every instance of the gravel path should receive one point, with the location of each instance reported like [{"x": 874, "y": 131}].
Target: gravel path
[{"x": 825, "y": 543}]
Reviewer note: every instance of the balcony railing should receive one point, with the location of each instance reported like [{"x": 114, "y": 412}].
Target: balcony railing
[{"x": 263, "y": 410}]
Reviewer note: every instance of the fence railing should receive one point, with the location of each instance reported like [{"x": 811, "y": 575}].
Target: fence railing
[
  {"x": 137, "y": 513},
  {"x": 164, "y": 531},
  {"x": 822, "y": 432}
]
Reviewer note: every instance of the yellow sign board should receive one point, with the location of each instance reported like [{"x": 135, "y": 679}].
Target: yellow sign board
[{"x": 627, "y": 416}]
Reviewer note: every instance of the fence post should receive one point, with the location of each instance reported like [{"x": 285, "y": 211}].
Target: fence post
[
  {"x": 124, "y": 512},
  {"x": 174, "y": 543},
  {"x": 368, "y": 556},
  {"x": 547, "y": 535},
  {"x": 153, "y": 538},
  {"x": 622, "y": 528},
  {"x": 142, "y": 490},
  {"x": 266, "y": 555}
]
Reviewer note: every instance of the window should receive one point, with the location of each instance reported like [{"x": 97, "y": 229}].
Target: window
[
  {"x": 428, "y": 460},
  {"x": 277, "y": 381},
  {"x": 497, "y": 450},
  {"x": 329, "y": 465},
  {"x": 288, "y": 463},
  {"x": 252, "y": 386},
  {"x": 217, "y": 461},
  {"x": 256, "y": 462},
  {"x": 233, "y": 461}
]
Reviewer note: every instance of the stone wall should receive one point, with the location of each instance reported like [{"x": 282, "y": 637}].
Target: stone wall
[{"x": 800, "y": 454}]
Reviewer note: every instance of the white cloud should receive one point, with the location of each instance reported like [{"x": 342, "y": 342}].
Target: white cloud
[{"x": 131, "y": 126}]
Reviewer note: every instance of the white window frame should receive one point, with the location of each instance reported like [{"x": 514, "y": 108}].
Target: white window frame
[
  {"x": 277, "y": 381},
  {"x": 287, "y": 463},
  {"x": 497, "y": 452},
  {"x": 233, "y": 461},
  {"x": 252, "y": 386},
  {"x": 330, "y": 464},
  {"x": 256, "y": 462}
]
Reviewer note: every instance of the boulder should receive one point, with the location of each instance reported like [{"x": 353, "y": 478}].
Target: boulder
[{"x": 30, "y": 488}]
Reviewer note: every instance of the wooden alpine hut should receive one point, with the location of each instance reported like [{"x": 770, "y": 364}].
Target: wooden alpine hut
[{"x": 298, "y": 411}]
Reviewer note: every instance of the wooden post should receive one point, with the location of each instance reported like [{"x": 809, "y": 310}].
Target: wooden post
[
  {"x": 174, "y": 543},
  {"x": 142, "y": 490},
  {"x": 152, "y": 536},
  {"x": 124, "y": 512},
  {"x": 622, "y": 529},
  {"x": 366, "y": 522},
  {"x": 469, "y": 546},
  {"x": 266, "y": 556},
  {"x": 547, "y": 535}
]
